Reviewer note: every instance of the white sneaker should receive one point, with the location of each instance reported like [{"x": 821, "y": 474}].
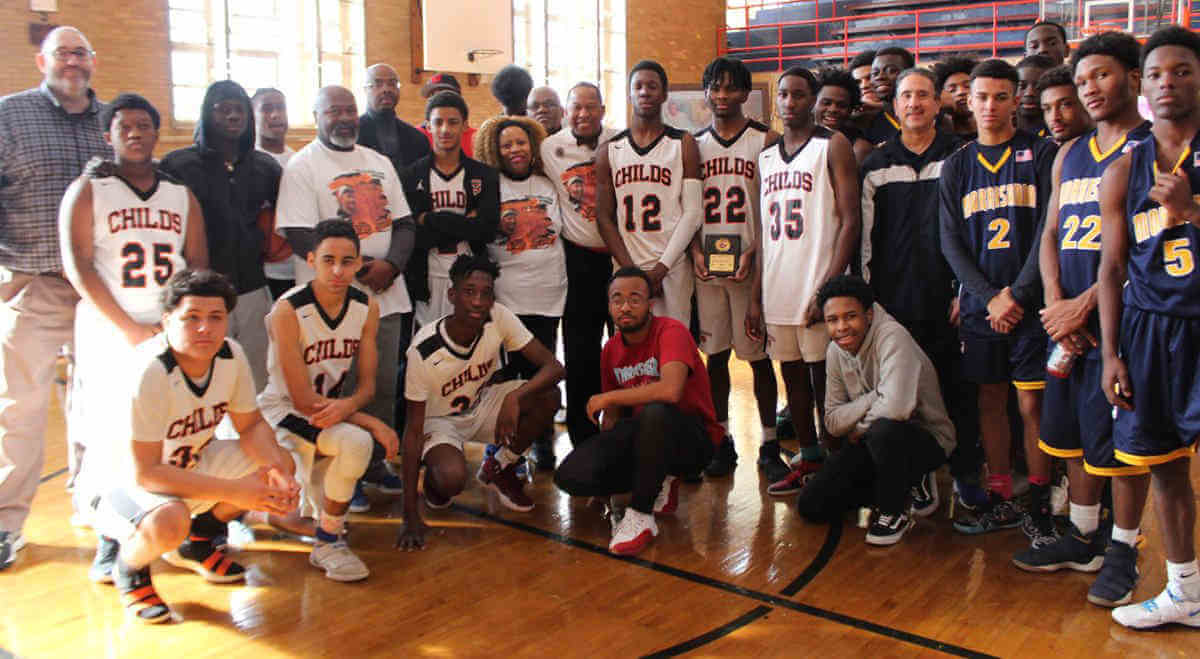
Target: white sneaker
[
  {"x": 1161, "y": 610},
  {"x": 633, "y": 533},
  {"x": 668, "y": 497},
  {"x": 339, "y": 563}
]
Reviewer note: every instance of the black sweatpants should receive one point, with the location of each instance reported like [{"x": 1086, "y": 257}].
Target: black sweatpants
[
  {"x": 544, "y": 329},
  {"x": 636, "y": 455},
  {"x": 942, "y": 345},
  {"x": 878, "y": 470},
  {"x": 584, "y": 319}
]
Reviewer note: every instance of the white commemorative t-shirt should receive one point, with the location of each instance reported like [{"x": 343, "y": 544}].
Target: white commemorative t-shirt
[
  {"x": 448, "y": 377},
  {"x": 729, "y": 172},
  {"x": 284, "y": 269},
  {"x": 168, "y": 407},
  {"x": 360, "y": 186},
  {"x": 528, "y": 247},
  {"x": 328, "y": 346},
  {"x": 648, "y": 183},
  {"x": 571, "y": 166},
  {"x": 138, "y": 241},
  {"x": 798, "y": 229}
]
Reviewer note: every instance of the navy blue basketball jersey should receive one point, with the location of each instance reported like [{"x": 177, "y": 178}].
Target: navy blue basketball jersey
[
  {"x": 1002, "y": 192},
  {"x": 1079, "y": 208},
  {"x": 1162, "y": 260}
]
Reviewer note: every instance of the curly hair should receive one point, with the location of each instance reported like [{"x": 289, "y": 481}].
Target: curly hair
[
  {"x": 487, "y": 141},
  {"x": 839, "y": 77}
]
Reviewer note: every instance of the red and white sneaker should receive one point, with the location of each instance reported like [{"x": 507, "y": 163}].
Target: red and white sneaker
[
  {"x": 633, "y": 533},
  {"x": 506, "y": 485},
  {"x": 668, "y": 497},
  {"x": 794, "y": 481}
]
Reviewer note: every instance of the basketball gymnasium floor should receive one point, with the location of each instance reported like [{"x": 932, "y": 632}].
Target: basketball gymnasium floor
[{"x": 735, "y": 574}]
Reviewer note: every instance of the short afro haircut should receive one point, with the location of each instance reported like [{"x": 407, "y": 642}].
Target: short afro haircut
[
  {"x": 1120, "y": 46},
  {"x": 511, "y": 86},
  {"x": 722, "y": 67},
  {"x": 1172, "y": 35},
  {"x": 1039, "y": 61},
  {"x": 649, "y": 65},
  {"x": 200, "y": 283},
  {"x": 334, "y": 228},
  {"x": 628, "y": 272},
  {"x": 465, "y": 264},
  {"x": 837, "y": 77},
  {"x": 865, "y": 58},
  {"x": 953, "y": 66},
  {"x": 846, "y": 286},
  {"x": 802, "y": 72},
  {"x": 909, "y": 60},
  {"x": 127, "y": 101},
  {"x": 446, "y": 99},
  {"x": 1058, "y": 76},
  {"x": 1061, "y": 31},
  {"x": 996, "y": 68}
]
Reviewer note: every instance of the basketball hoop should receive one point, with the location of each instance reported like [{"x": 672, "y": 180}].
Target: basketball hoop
[{"x": 481, "y": 53}]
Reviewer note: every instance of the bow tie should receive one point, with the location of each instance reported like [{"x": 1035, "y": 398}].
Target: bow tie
[{"x": 592, "y": 142}]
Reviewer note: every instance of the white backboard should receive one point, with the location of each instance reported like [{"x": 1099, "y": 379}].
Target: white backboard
[{"x": 467, "y": 36}]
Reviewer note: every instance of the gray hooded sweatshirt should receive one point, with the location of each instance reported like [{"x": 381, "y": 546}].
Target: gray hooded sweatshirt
[{"x": 889, "y": 378}]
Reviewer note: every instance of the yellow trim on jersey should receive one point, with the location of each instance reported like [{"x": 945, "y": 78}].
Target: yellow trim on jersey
[
  {"x": 895, "y": 124},
  {"x": 1060, "y": 452},
  {"x": 1178, "y": 163},
  {"x": 1099, "y": 155},
  {"x": 1151, "y": 460},
  {"x": 1000, "y": 163},
  {"x": 1031, "y": 385},
  {"x": 1115, "y": 471}
]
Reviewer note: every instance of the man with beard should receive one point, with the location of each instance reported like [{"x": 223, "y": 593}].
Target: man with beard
[
  {"x": 1064, "y": 115},
  {"x": 234, "y": 184},
  {"x": 318, "y": 178},
  {"x": 655, "y": 414},
  {"x": 569, "y": 157},
  {"x": 50, "y": 133},
  {"x": 379, "y": 128},
  {"x": 543, "y": 105}
]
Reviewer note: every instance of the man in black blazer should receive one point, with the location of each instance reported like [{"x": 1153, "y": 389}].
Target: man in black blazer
[{"x": 380, "y": 129}]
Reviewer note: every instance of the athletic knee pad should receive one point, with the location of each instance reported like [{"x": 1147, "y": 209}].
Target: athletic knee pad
[{"x": 350, "y": 449}]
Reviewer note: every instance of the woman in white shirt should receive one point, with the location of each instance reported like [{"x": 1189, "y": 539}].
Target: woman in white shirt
[{"x": 528, "y": 246}]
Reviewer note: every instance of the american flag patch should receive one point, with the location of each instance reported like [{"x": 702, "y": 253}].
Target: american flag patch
[{"x": 1024, "y": 155}]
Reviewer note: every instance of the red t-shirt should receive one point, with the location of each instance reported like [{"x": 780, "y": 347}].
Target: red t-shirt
[{"x": 624, "y": 366}]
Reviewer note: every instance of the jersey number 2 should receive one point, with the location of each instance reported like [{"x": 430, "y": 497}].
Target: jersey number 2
[
  {"x": 133, "y": 273},
  {"x": 999, "y": 228}
]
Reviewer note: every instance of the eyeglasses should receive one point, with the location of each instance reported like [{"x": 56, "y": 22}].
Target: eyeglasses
[
  {"x": 384, "y": 84},
  {"x": 65, "y": 54}
]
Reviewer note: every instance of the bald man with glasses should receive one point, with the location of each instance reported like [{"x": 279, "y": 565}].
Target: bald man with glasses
[
  {"x": 50, "y": 132},
  {"x": 380, "y": 129}
]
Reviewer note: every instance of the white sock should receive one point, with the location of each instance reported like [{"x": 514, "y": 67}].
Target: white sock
[
  {"x": 255, "y": 517},
  {"x": 1128, "y": 536},
  {"x": 768, "y": 434},
  {"x": 505, "y": 456},
  {"x": 1085, "y": 518},
  {"x": 1186, "y": 578}
]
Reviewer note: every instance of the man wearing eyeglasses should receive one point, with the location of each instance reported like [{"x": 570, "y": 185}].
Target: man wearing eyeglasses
[
  {"x": 50, "y": 132},
  {"x": 379, "y": 128}
]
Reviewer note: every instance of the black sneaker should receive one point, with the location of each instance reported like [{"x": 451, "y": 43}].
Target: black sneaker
[
  {"x": 1074, "y": 550},
  {"x": 888, "y": 529},
  {"x": 543, "y": 455},
  {"x": 204, "y": 558},
  {"x": 1118, "y": 576},
  {"x": 106, "y": 557},
  {"x": 996, "y": 515},
  {"x": 771, "y": 464},
  {"x": 141, "y": 601},
  {"x": 1037, "y": 522},
  {"x": 724, "y": 459},
  {"x": 925, "y": 495},
  {"x": 11, "y": 542},
  {"x": 783, "y": 424}
]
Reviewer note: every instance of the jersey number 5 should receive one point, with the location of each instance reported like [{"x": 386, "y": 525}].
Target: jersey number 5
[
  {"x": 1177, "y": 257},
  {"x": 792, "y": 222},
  {"x": 133, "y": 273},
  {"x": 651, "y": 207}
]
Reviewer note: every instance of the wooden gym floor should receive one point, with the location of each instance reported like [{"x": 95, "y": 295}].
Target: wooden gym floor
[{"x": 736, "y": 573}]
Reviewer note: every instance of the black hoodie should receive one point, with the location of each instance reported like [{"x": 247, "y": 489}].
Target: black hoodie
[{"x": 230, "y": 199}]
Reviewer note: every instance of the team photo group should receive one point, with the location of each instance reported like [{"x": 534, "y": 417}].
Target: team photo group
[{"x": 972, "y": 263}]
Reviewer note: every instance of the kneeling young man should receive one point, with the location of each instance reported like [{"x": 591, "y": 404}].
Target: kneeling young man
[
  {"x": 185, "y": 381},
  {"x": 657, "y": 418},
  {"x": 882, "y": 394},
  {"x": 317, "y": 331},
  {"x": 456, "y": 393}
]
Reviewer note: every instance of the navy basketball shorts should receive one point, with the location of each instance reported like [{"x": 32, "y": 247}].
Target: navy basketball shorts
[
  {"x": 1162, "y": 354},
  {"x": 1077, "y": 420},
  {"x": 990, "y": 358}
]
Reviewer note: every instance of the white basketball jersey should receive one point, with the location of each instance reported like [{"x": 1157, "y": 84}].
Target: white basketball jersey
[
  {"x": 648, "y": 183},
  {"x": 328, "y": 346},
  {"x": 448, "y": 194},
  {"x": 171, "y": 408},
  {"x": 138, "y": 240},
  {"x": 729, "y": 172},
  {"x": 448, "y": 377},
  {"x": 798, "y": 229}
]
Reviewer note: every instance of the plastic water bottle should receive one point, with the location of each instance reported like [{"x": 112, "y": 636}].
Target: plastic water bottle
[{"x": 1060, "y": 361}]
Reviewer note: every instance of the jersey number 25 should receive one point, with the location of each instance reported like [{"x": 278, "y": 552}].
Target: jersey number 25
[{"x": 133, "y": 273}]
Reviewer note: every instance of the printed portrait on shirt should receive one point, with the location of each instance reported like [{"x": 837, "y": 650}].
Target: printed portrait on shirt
[
  {"x": 580, "y": 183},
  {"x": 525, "y": 225},
  {"x": 361, "y": 201}
]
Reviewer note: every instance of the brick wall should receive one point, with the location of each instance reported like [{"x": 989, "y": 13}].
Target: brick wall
[{"x": 130, "y": 38}]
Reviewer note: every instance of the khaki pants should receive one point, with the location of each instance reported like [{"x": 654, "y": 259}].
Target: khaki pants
[{"x": 37, "y": 318}]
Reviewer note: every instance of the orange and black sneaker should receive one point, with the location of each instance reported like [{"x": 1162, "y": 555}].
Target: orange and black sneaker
[
  {"x": 201, "y": 555},
  {"x": 141, "y": 601}
]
